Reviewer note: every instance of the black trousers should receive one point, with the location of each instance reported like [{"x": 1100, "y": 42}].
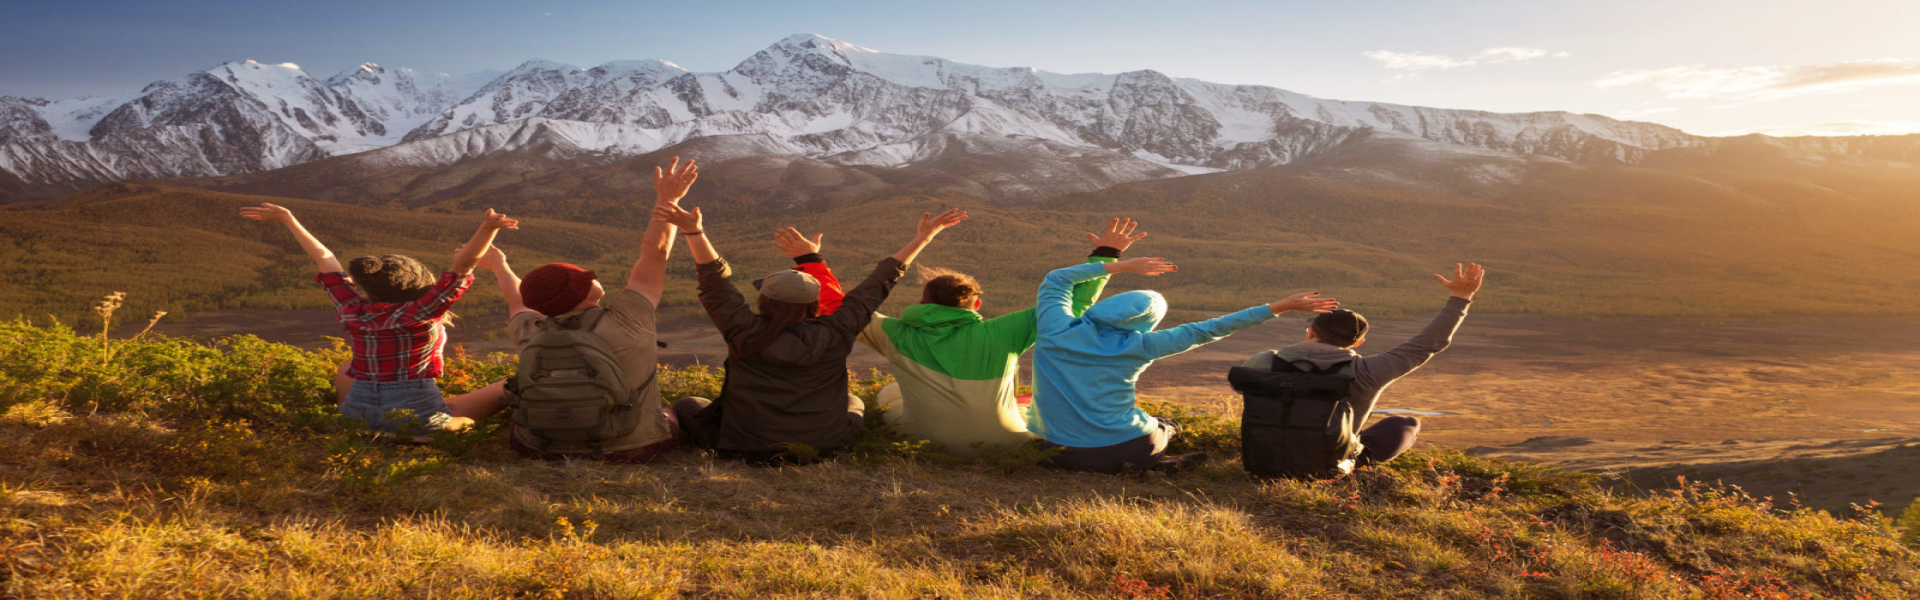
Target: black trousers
[
  {"x": 1387, "y": 439},
  {"x": 1138, "y": 453},
  {"x": 701, "y": 425}
]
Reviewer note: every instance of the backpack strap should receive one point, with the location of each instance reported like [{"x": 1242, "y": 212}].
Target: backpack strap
[
  {"x": 1280, "y": 365},
  {"x": 585, "y": 321},
  {"x": 1334, "y": 368},
  {"x": 511, "y": 391},
  {"x": 591, "y": 319}
]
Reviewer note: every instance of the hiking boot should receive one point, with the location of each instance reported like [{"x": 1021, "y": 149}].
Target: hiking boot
[{"x": 1175, "y": 463}]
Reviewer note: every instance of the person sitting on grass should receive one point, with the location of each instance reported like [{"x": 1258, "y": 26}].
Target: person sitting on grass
[
  {"x": 1085, "y": 367},
  {"x": 564, "y": 296},
  {"x": 956, "y": 371},
  {"x": 1328, "y": 351},
  {"x": 785, "y": 396},
  {"x": 394, "y": 311}
]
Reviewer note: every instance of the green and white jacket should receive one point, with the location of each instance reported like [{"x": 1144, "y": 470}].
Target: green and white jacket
[{"x": 957, "y": 370}]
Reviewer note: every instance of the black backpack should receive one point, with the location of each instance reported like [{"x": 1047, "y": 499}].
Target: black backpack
[
  {"x": 1296, "y": 423},
  {"x": 570, "y": 393}
]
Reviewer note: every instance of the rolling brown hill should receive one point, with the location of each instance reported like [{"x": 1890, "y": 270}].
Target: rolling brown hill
[{"x": 1756, "y": 230}]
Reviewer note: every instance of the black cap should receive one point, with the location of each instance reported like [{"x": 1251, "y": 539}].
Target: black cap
[{"x": 1340, "y": 324}]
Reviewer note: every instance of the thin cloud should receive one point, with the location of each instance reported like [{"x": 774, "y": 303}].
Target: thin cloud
[
  {"x": 1414, "y": 61},
  {"x": 1767, "y": 83},
  {"x": 1839, "y": 128},
  {"x": 1641, "y": 113},
  {"x": 1509, "y": 54},
  {"x": 1421, "y": 61}
]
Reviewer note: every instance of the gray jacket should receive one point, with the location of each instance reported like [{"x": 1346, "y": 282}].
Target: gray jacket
[{"x": 1372, "y": 374}]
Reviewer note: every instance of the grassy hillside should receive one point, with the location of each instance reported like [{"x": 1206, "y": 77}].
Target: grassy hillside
[
  {"x": 185, "y": 250},
  {"x": 159, "y": 468},
  {"x": 1747, "y": 230}
]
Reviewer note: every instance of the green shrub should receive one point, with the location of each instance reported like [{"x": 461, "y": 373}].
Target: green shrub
[{"x": 1910, "y": 525}]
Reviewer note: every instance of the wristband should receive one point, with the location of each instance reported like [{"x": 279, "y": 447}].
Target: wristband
[
  {"x": 810, "y": 257},
  {"x": 702, "y": 232},
  {"x": 1105, "y": 252}
]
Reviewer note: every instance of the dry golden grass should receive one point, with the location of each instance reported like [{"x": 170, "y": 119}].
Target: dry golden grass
[{"x": 179, "y": 470}]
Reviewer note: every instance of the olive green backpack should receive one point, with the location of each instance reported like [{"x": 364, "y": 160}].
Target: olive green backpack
[{"x": 570, "y": 391}]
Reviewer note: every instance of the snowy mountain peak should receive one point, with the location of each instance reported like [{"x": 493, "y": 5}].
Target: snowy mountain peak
[
  {"x": 819, "y": 97},
  {"x": 254, "y": 65},
  {"x": 539, "y": 65},
  {"x": 651, "y": 69},
  {"x": 816, "y": 41}
]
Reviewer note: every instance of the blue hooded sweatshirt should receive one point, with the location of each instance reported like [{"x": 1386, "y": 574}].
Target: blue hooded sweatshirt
[{"x": 1084, "y": 368}]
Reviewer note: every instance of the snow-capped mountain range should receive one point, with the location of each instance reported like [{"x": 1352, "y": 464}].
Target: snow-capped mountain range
[{"x": 805, "y": 95}]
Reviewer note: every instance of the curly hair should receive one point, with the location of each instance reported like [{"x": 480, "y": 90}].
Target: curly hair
[{"x": 391, "y": 278}]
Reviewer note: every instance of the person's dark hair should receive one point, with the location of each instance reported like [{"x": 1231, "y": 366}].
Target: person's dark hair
[
  {"x": 948, "y": 288},
  {"x": 391, "y": 278},
  {"x": 778, "y": 317},
  {"x": 1341, "y": 327}
]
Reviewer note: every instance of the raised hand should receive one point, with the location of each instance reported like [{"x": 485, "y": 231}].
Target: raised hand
[
  {"x": 1466, "y": 280},
  {"x": 468, "y": 255},
  {"x": 1305, "y": 301},
  {"x": 931, "y": 225},
  {"x": 322, "y": 257},
  {"x": 795, "y": 245},
  {"x": 691, "y": 222},
  {"x": 267, "y": 212},
  {"x": 1119, "y": 235},
  {"x": 492, "y": 260},
  {"x": 1149, "y": 266},
  {"x": 671, "y": 184},
  {"x": 496, "y": 221}
]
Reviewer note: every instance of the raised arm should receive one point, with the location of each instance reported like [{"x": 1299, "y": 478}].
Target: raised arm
[
  {"x": 1438, "y": 334},
  {"x": 1021, "y": 327},
  {"x": 649, "y": 275},
  {"x": 930, "y": 226},
  {"x": 722, "y": 301},
  {"x": 469, "y": 255},
  {"x": 806, "y": 258},
  {"x": 693, "y": 222},
  {"x": 1053, "y": 308},
  {"x": 323, "y": 259},
  {"x": 857, "y": 308},
  {"x": 496, "y": 261},
  {"x": 1171, "y": 341},
  {"x": 1107, "y": 247}
]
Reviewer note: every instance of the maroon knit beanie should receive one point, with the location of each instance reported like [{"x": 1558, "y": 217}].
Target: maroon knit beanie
[{"x": 556, "y": 288}]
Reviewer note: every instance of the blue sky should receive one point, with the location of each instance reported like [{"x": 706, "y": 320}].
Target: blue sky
[{"x": 1707, "y": 66}]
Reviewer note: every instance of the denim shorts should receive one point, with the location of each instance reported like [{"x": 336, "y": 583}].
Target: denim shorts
[{"x": 393, "y": 405}]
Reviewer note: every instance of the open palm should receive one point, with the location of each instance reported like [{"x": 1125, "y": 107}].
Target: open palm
[
  {"x": 1466, "y": 279},
  {"x": 794, "y": 244},
  {"x": 1119, "y": 235},
  {"x": 671, "y": 184},
  {"x": 931, "y": 225}
]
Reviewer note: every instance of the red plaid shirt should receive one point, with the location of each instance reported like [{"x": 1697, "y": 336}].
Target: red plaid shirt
[{"x": 395, "y": 342}]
